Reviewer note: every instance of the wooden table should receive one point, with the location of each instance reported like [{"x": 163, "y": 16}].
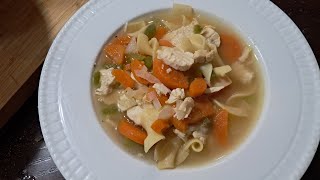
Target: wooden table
[
  {"x": 25, "y": 36},
  {"x": 27, "y": 29}
]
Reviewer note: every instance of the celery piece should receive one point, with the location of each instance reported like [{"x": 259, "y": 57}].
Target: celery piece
[
  {"x": 197, "y": 29},
  {"x": 150, "y": 31},
  {"x": 148, "y": 62},
  {"x": 131, "y": 56},
  {"x": 96, "y": 78},
  {"x": 110, "y": 109},
  {"x": 107, "y": 66}
]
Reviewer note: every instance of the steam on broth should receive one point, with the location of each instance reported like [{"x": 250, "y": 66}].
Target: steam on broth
[{"x": 177, "y": 88}]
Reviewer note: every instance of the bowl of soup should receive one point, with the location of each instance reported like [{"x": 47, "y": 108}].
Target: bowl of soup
[
  {"x": 177, "y": 87},
  {"x": 163, "y": 90}
]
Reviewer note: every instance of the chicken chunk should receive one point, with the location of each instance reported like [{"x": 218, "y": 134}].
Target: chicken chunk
[
  {"x": 125, "y": 102},
  {"x": 176, "y": 94},
  {"x": 184, "y": 109},
  {"x": 178, "y": 36},
  {"x": 176, "y": 58},
  {"x": 161, "y": 89},
  {"x": 106, "y": 79},
  {"x": 212, "y": 37},
  {"x": 203, "y": 56}
]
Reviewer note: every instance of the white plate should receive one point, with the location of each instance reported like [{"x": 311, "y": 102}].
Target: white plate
[{"x": 280, "y": 147}]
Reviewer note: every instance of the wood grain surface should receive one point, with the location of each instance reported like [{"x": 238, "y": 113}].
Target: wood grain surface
[{"x": 27, "y": 29}]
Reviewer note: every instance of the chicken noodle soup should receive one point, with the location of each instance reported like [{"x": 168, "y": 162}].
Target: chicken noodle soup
[{"x": 177, "y": 88}]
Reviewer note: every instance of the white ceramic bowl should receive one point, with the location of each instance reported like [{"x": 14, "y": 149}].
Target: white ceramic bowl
[{"x": 280, "y": 147}]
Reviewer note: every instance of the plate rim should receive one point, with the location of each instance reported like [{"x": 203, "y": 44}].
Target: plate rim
[{"x": 90, "y": 9}]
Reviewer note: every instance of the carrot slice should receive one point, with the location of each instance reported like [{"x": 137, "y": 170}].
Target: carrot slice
[
  {"x": 137, "y": 65},
  {"x": 230, "y": 49},
  {"x": 115, "y": 52},
  {"x": 220, "y": 127},
  {"x": 123, "y": 78},
  {"x": 160, "y": 32},
  {"x": 202, "y": 108},
  {"x": 160, "y": 125},
  {"x": 173, "y": 79},
  {"x": 121, "y": 40},
  {"x": 132, "y": 132},
  {"x": 197, "y": 87},
  {"x": 181, "y": 125},
  {"x": 167, "y": 43}
]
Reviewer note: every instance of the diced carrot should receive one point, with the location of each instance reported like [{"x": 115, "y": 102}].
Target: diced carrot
[
  {"x": 181, "y": 125},
  {"x": 173, "y": 79},
  {"x": 121, "y": 40},
  {"x": 137, "y": 65},
  {"x": 220, "y": 127},
  {"x": 160, "y": 32},
  {"x": 123, "y": 78},
  {"x": 115, "y": 52},
  {"x": 127, "y": 67},
  {"x": 132, "y": 132},
  {"x": 230, "y": 49},
  {"x": 167, "y": 43},
  {"x": 163, "y": 98},
  {"x": 197, "y": 87},
  {"x": 160, "y": 125},
  {"x": 202, "y": 108}
]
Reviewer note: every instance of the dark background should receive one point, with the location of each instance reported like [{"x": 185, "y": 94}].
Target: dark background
[{"x": 24, "y": 155}]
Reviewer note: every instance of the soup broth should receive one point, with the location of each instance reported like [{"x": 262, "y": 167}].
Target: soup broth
[{"x": 236, "y": 107}]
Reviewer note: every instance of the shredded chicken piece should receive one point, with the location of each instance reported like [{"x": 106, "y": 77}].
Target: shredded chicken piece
[
  {"x": 161, "y": 89},
  {"x": 176, "y": 94},
  {"x": 203, "y": 56},
  {"x": 212, "y": 37},
  {"x": 125, "y": 102},
  {"x": 176, "y": 58},
  {"x": 106, "y": 79},
  {"x": 184, "y": 109}
]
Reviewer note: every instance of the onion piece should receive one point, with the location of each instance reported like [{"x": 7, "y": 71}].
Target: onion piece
[
  {"x": 156, "y": 103},
  {"x": 132, "y": 46},
  {"x": 143, "y": 73},
  {"x": 219, "y": 85},
  {"x": 237, "y": 111},
  {"x": 214, "y": 89},
  {"x": 166, "y": 112},
  {"x": 206, "y": 70},
  {"x": 151, "y": 96}
]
